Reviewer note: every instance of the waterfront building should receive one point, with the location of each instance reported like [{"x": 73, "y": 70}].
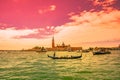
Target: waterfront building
[{"x": 62, "y": 47}]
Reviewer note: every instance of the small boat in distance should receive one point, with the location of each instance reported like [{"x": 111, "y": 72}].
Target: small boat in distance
[{"x": 102, "y": 51}]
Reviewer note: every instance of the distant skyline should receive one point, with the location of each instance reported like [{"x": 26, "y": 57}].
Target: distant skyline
[{"x": 85, "y": 23}]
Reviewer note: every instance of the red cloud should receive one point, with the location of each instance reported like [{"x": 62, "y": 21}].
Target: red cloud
[{"x": 106, "y": 4}]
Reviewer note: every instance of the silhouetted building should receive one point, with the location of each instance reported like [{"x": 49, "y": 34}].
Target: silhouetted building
[{"x": 62, "y": 47}]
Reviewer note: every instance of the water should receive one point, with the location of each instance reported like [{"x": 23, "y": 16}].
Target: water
[{"x": 16, "y": 65}]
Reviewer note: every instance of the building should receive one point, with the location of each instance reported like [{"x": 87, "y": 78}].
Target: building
[
  {"x": 53, "y": 42},
  {"x": 62, "y": 47}
]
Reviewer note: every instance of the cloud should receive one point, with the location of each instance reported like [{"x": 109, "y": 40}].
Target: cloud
[
  {"x": 93, "y": 27},
  {"x": 3, "y": 25},
  {"x": 105, "y": 4},
  {"x": 9, "y": 33},
  {"x": 86, "y": 27},
  {"x": 52, "y": 7},
  {"x": 11, "y": 38},
  {"x": 48, "y": 9},
  {"x": 41, "y": 33},
  {"x": 97, "y": 19},
  {"x": 96, "y": 27},
  {"x": 37, "y": 33}
]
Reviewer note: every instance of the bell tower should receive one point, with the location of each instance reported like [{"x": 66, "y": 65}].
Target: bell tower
[{"x": 53, "y": 43}]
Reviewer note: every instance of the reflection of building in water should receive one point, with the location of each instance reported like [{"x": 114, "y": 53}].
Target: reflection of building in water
[{"x": 63, "y": 47}]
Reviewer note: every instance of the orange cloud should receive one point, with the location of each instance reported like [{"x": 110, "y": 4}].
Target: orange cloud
[
  {"x": 92, "y": 27},
  {"x": 97, "y": 19},
  {"x": 10, "y": 38}
]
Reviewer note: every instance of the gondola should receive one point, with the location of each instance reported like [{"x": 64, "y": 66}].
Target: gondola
[{"x": 72, "y": 57}]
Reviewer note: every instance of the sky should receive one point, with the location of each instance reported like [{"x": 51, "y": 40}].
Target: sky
[{"x": 80, "y": 23}]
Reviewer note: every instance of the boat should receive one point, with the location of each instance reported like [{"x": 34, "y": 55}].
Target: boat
[
  {"x": 101, "y": 52},
  {"x": 65, "y": 57}
]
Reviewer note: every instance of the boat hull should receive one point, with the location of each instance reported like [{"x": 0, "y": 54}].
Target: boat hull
[
  {"x": 97, "y": 53},
  {"x": 72, "y": 57}
]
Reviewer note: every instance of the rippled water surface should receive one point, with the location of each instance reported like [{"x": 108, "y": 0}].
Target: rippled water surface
[{"x": 19, "y": 65}]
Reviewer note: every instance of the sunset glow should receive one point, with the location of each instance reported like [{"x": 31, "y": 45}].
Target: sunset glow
[{"x": 85, "y": 23}]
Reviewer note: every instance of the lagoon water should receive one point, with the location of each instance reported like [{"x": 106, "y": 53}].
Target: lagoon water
[{"x": 20, "y": 65}]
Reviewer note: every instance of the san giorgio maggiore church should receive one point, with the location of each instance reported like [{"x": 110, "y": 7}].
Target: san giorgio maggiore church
[{"x": 62, "y": 47}]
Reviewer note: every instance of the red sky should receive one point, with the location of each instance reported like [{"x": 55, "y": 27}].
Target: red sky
[{"x": 86, "y": 23}]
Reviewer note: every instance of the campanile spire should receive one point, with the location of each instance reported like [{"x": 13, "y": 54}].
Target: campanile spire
[{"x": 53, "y": 43}]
